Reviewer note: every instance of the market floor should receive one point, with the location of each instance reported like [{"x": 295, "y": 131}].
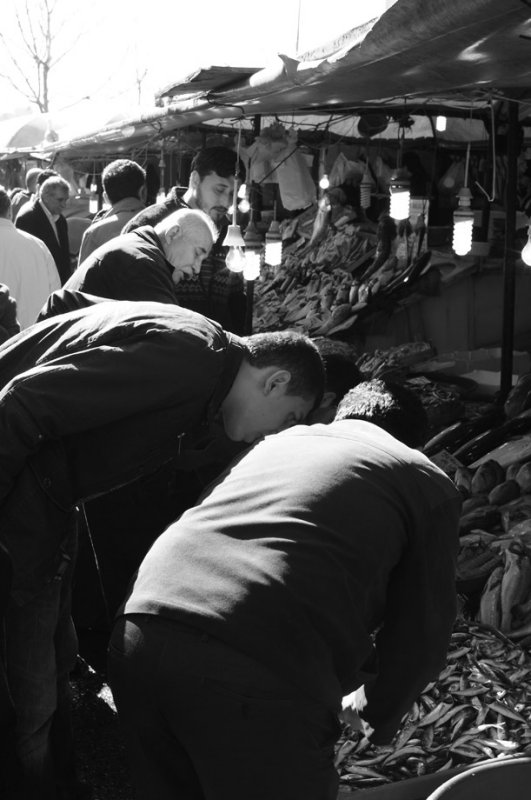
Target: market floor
[{"x": 99, "y": 745}]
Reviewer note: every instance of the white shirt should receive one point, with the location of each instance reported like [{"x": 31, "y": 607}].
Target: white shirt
[{"x": 28, "y": 269}]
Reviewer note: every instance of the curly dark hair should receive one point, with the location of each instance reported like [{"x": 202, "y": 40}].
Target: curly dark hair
[
  {"x": 122, "y": 178},
  {"x": 393, "y": 407},
  {"x": 221, "y": 160}
]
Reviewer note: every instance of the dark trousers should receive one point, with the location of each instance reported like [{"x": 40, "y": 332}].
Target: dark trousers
[{"x": 205, "y": 722}]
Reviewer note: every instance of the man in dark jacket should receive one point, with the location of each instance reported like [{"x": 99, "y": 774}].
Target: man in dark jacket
[
  {"x": 258, "y": 608},
  {"x": 146, "y": 264},
  {"x": 44, "y": 218},
  {"x": 91, "y": 400},
  {"x": 216, "y": 292}
]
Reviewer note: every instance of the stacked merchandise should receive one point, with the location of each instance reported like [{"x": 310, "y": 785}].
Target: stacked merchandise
[{"x": 335, "y": 275}]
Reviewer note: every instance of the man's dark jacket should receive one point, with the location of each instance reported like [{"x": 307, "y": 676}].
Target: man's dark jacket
[
  {"x": 216, "y": 292},
  {"x": 33, "y": 220},
  {"x": 96, "y": 398},
  {"x": 128, "y": 267}
]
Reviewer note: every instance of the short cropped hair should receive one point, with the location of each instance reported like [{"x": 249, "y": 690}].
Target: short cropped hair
[
  {"x": 45, "y": 174},
  {"x": 32, "y": 176},
  {"x": 5, "y": 203},
  {"x": 53, "y": 183},
  {"x": 221, "y": 160},
  {"x": 389, "y": 405},
  {"x": 122, "y": 178},
  {"x": 291, "y": 351}
]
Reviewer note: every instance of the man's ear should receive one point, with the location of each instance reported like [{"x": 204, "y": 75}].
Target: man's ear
[
  {"x": 142, "y": 193},
  {"x": 329, "y": 399},
  {"x": 195, "y": 179},
  {"x": 277, "y": 381},
  {"x": 173, "y": 232}
]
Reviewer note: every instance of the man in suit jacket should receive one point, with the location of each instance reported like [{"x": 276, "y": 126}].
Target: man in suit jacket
[{"x": 44, "y": 219}]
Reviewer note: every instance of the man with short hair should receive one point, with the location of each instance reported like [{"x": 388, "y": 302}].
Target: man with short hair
[
  {"x": 216, "y": 291},
  {"x": 26, "y": 266},
  {"x": 44, "y": 218},
  {"x": 146, "y": 264},
  {"x": 91, "y": 400},
  {"x": 22, "y": 196},
  {"x": 321, "y": 562},
  {"x": 124, "y": 187}
]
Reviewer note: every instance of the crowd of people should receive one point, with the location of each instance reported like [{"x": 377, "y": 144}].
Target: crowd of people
[{"x": 270, "y": 538}]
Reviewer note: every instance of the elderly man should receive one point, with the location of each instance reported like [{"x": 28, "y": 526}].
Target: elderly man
[
  {"x": 26, "y": 266},
  {"x": 216, "y": 291},
  {"x": 21, "y": 196},
  {"x": 124, "y": 187},
  {"x": 147, "y": 263},
  {"x": 92, "y": 400},
  {"x": 43, "y": 217},
  {"x": 321, "y": 562}
]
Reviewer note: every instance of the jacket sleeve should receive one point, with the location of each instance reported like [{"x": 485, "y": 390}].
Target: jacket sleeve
[
  {"x": 412, "y": 643},
  {"x": 93, "y": 387},
  {"x": 64, "y": 300},
  {"x": 9, "y": 324}
]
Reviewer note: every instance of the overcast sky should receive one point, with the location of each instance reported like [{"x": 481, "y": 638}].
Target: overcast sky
[{"x": 169, "y": 40}]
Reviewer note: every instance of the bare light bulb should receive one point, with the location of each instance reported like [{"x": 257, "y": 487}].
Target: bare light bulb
[
  {"x": 273, "y": 245},
  {"x": 526, "y": 251},
  {"x": 242, "y": 191},
  {"x": 324, "y": 183},
  {"x": 400, "y": 195},
  {"x": 365, "y": 190},
  {"x": 440, "y": 124},
  {"x": 251, "y": 269},
  {"x": 93, "y": 199},
  {"x": 244, "y": 206},
  {"x": 161, "y": 195},
  {"x": 463, "y": 224},
  {"x": 235, "y": 259}
]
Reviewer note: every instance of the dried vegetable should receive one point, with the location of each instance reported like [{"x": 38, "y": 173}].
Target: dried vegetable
[{"x": 478, "y": 709}]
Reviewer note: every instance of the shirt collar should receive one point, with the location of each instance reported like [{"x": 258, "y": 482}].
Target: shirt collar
[{"x": 52, "y": 217}]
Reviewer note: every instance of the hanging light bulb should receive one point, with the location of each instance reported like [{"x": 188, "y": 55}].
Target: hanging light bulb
[
  {"x": 93, "y": 199},
  {"x": 365, "y": 190},
  {"x": 324, "y": 183},
  {"x": 234, "y": 241},
  {"x": 400, "y": 195},
  {"x": 253, "y": 252},
  {"x": 161, "y": 195},
  {"x": 242, "y": 191},
  {"x": 463, "y": 223},
  {"x": 440, "y": 123},
  {"x": 273, "y": 245},
  {"x": 526, "y": 251},
  {"x": 244, "y": 206}
]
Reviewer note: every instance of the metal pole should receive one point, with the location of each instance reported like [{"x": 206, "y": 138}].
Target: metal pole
[
  {"x": 506, "y": 375},
  {"x": 249, "y": 303}
]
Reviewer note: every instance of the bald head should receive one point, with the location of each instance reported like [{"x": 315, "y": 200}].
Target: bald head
[{"x": 187, "y": 236}]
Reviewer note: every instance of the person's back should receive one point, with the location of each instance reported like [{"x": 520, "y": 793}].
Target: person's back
[
  {"x": 346, "y": 527},
  {"x": 124, "y": 184},
  {"x": 26, "y": 266}
]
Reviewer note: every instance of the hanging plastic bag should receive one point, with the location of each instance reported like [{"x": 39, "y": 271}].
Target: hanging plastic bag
[{"x": 453, "y": 179}]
